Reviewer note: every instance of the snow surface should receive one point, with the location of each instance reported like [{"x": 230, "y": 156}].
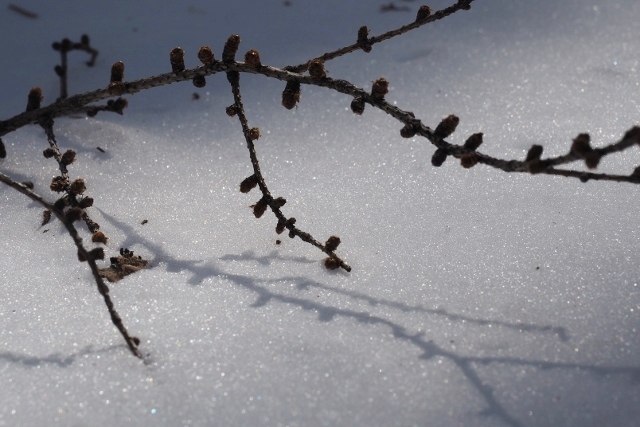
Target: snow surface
[{"x": 477, "y": 298}]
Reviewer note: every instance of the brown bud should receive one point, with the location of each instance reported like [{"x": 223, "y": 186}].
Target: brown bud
[
  {"x": 199, "y": 81},
  {"x": 363, "y": 39},
  {"x": 260, "y": 208},
  {"x": 248, "y": 184},
  {"x": 380, "y": 88},
  {"x": 231, "y": 110},
  {"x": 68, "y": 157},
  {"x": 99, "y": 237},
  {"x": 357, "y": 105},
  {"x": 58, "y": 184},
  {"x": 332, "y": 243},
  {"x": 280, "y": 227},
  {"x": 254, "y": 134},
  {"x": 331, "y": 263},
  {"x": 468, "y": 160},
  {"x": 73, "y": 214},
  {"x": 592, "y": 159},
  {"x": 291, "y": 94},
  {"x": 34, "y": 99},
  {"x": 423, "y": 13},
  {"x": 78, "y": 186},
  {"x": 86, "y": 202},
  {"x": 633, "y": 134},
  {"x": 447, "y": 126},
  {"x": 230, "y": 48},
  {"x": 117, "y": 72},
  {"x": 439, "y": 157},
  {"x": 292, "y": 234},
  {"x": 176, "y": 56},
  {"x": 581, "y": 145},
  {"x": 3, "y": 150},
  {"x": 279, "y": 202},
  {"x": 408, "y": 131},
  {"x": 317, "y": 70},
  {"x": 534, "y": 153},
  {"x": 473, "y": 142},
  {"x": 291, "y": 221},
  {"x": 205, "y": 55},
  {"x": 49, "y": 152},
  {"x": 252, "y": 58}
]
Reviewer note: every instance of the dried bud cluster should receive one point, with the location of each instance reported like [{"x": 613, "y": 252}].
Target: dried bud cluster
[
  {"x": 231, "y": 110},
  {"x": 34, "y": 99},
  {"x": 357, "y": 105},
  {"x": 205, "y": 55},
  {"x": 249, "y": 183},
  {"x": 332, "y": 243},
  {"x": 176, "y": 56},
  {"x": 230, "y": 48},
  {"x": 116, "y": 87},
  {"x": 291, "y": 94},
  {"x": 380, "y": 88},
  {"x": 252, "y": 59},
  {"x": 78, "y": 186},
  {"x": 59, "y": 184},
  {"x": 99, "y": 237},
  {"x": 447, "y": 126},
  {"x": 363, "y": 39},
  {"x": 331, "y": 263},
  {"x": 317, "y": 70},
  {"x": 254, "y": 134},
  {"x": 423, "y": 13}
]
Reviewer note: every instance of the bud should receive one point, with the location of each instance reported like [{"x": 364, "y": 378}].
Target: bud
[
  {"x": 254, "y": 134},
  {"x": 231, "y": 110},
  {"x": 199, "y": 81},
  {"x": 68, "y": 157},
  {"x": 78, "y": 186},
  {"x": 317, "y": 70},
  {"x": 73, "y": 214},
  {"x": 357, "y": 105},
  {"x": 408, "y": 131},
  {"x": 332, "y": 243},
  {"x": 468, "y": 160},
  {"x": 581, "y": 145},
  {"x": 473, "y": 142},
  {"x": 176, "y": 56},
  {"x": 99, "y": 237},
  {"x": 260, "y": 208},
  {"x": 439, "y": 157},
  {"x": 248, "y": 184},
  {"x": 86, "y": 202},
  {"x": 34, "y": 99},
  {"x": 280, "y": 227},
  {"x": 331, "y": 263},
  {"x": 423, "y": 13},
  {"x": 363, "y": 39},
  {"x": 230, "y": 48},
  {"x": 534, "y": 153},
  {"x": 380, "y": 88},
  {"x": 205, "y": 55},
  {"x": 291, "y": 94},
  {"x": 252, "y": 58},
  {"x": 447, "y": 126},
  {"x": 58, "y": 184}
]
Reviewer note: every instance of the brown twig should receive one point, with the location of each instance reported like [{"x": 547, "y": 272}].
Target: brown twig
[{"x": 84, "y": 255}]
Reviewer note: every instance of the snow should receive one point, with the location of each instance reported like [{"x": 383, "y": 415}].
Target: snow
[{"x": 477, "y": 298}]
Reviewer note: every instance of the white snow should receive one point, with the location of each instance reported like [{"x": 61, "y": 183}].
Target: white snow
[{"x": 477, "y": 298}]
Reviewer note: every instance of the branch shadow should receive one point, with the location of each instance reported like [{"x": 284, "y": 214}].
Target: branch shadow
[
  {"x": 55, "y": 359},
  {"x": 428, "y": 349}
]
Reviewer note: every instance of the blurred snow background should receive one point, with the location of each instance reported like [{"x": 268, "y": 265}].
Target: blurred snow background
[{"x": 477, "y": 298}]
